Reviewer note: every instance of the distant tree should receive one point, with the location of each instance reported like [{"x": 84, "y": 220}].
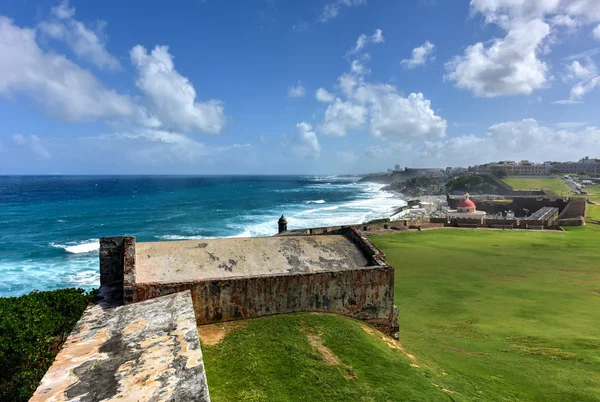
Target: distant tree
[
  {"x": 582, "y": 173},
  {"x": 470, "y": 183},
  {"x": 554, "y": 171},
  {"x": 501, "y": 173}
]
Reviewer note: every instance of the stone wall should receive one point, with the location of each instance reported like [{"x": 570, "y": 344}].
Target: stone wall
[{"x": 366, "y": 294}]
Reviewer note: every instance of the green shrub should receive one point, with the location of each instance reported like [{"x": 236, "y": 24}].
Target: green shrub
[{"x": 32, "y": 329}]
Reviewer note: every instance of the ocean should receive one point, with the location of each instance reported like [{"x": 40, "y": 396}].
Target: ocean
[{"x": 50, "y": 226}]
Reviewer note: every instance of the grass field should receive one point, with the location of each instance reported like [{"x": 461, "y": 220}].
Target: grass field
[
  {"x": 593, "y": 192},
  {"x": 486, "y": 315},
  {"x": 555, "y": 185}
]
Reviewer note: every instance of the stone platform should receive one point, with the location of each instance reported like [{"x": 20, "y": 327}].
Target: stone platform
[
  {"x": 182, "y": 261},
  {"x": 148, "y": 351}
]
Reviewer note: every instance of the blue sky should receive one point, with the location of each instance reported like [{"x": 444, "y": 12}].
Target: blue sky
[{"x": 273, "y": 86}]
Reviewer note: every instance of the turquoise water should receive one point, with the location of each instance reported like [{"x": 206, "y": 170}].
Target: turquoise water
[{"x": 50, "y": 226}]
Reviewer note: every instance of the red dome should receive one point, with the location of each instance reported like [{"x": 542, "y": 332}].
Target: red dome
[{"x": 466, "y": 204}]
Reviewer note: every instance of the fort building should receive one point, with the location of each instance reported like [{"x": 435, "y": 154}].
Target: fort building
[{"x": 139, "y": 341}]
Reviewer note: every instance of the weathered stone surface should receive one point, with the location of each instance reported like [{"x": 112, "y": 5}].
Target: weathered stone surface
[
  {"x": 147, "y": 351},
  {"x": 181, "y": 261}
]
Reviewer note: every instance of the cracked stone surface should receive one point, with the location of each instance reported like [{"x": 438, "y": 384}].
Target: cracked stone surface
[{"x": 147, "y": 351}]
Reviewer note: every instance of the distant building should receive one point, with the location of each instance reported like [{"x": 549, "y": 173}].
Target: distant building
[
  {"x": 522, "y": 168},
  {"x": 588, "y": 165},
  {"x": 466, "y": 209},
  {"x": 397, "y": 167}
]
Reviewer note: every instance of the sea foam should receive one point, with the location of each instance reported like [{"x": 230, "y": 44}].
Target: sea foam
[{"x": 85, "y": 247}]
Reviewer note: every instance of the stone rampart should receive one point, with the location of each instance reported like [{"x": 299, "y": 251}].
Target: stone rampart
[{"x": 360, "y": 291}]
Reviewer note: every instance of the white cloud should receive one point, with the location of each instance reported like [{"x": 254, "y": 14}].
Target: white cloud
[
  {"x": 156, "y": 146},
  {"x": 332, "y": 10},
  {"x": 363, "y": 40},
  {"x": 585, "y": 77},
  {"x": 84, "y": 42},
  {"x": 393, "y": 115},
  {"x": 62, "y": 11},
  {"x": 596, "y": 32},
  {"x": 61, "y": 87},
  {"x": 342, "y": 116},
  {"x": 566, "y": 102},
  {"x": 382, "y": 108},
  {"x": 509, "y": 66},
  {"x": 420, "y": 55},
  {"x": 305, "y": 143},
  {"x": 32, "y": 142},
  {"x": 582, "y": 88},
  {"x": 296, "y": 92},
  {"x": 576, "y": 71},
  {"x": 508, "y": 11},
  {"x": 172, "y": 97},
  {"x": 323, "y": 96},
  {"x": 525, "y": 139}
]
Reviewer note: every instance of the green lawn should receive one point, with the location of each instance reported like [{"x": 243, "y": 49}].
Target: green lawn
[
  {"x": 593, "y": 192},
  {"x": 488, "y": 315},
  {"x": 555, "y": 185}
]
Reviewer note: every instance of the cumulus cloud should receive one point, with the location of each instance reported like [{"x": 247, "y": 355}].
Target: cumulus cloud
[
  {"x": 61, "y": 87},
  {"x": 323, "y": 96},
  {"x": 343, "y": 116},
  {"x": 332, "y": 10},
  {"x": 584, "y": 77},
  {"x": 33, "y": 143},
  {"x": 171, "y": 96},
  {"x": 516, "y": 140},
  {"x": 596, "y": 32},
  {"x": 420, "y": 55},
  {"x": 506, "y": 11},
  {"x": 83, "y": 41},
  {"x": 512, "y": 65},
  {"x": 380, "y": 107},
  {"x": 296, "y": 92},
  {"x": 363, "y": 40},
  {"x": 509, "y": 66},
  {"x": 305, "y": 143},
  {"x": 576, "y": 71}
]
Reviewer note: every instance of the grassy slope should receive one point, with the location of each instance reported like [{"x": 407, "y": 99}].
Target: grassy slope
[
  {"x": 593, "y": 192},
  {"x": 556, "y": 185},
  {"x": 272, "y": 360},
  {"x": 490, "y": 315},
  {"x": 508, "y": 315}
]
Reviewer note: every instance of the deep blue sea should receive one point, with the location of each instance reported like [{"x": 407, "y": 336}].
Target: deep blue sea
[{"x": 50, "y": 226}]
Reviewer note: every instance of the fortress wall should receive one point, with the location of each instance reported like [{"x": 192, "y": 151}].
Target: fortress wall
[{"x": 366, "y": 294}]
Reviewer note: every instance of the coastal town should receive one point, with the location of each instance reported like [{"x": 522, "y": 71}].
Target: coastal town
[{"x": 436, "y": 193}]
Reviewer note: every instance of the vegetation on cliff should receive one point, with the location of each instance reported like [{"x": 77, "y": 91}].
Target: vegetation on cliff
[{"x": 32, "y": 329}]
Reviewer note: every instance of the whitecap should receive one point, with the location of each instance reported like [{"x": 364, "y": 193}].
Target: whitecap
[
  {"x": 85, "y": 247},
  {"x": 180, "y": 237},
  {"x": 314, "y": 202}
]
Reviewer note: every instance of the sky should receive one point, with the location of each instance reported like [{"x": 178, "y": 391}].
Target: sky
[{"x": 295, "y": 87}]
